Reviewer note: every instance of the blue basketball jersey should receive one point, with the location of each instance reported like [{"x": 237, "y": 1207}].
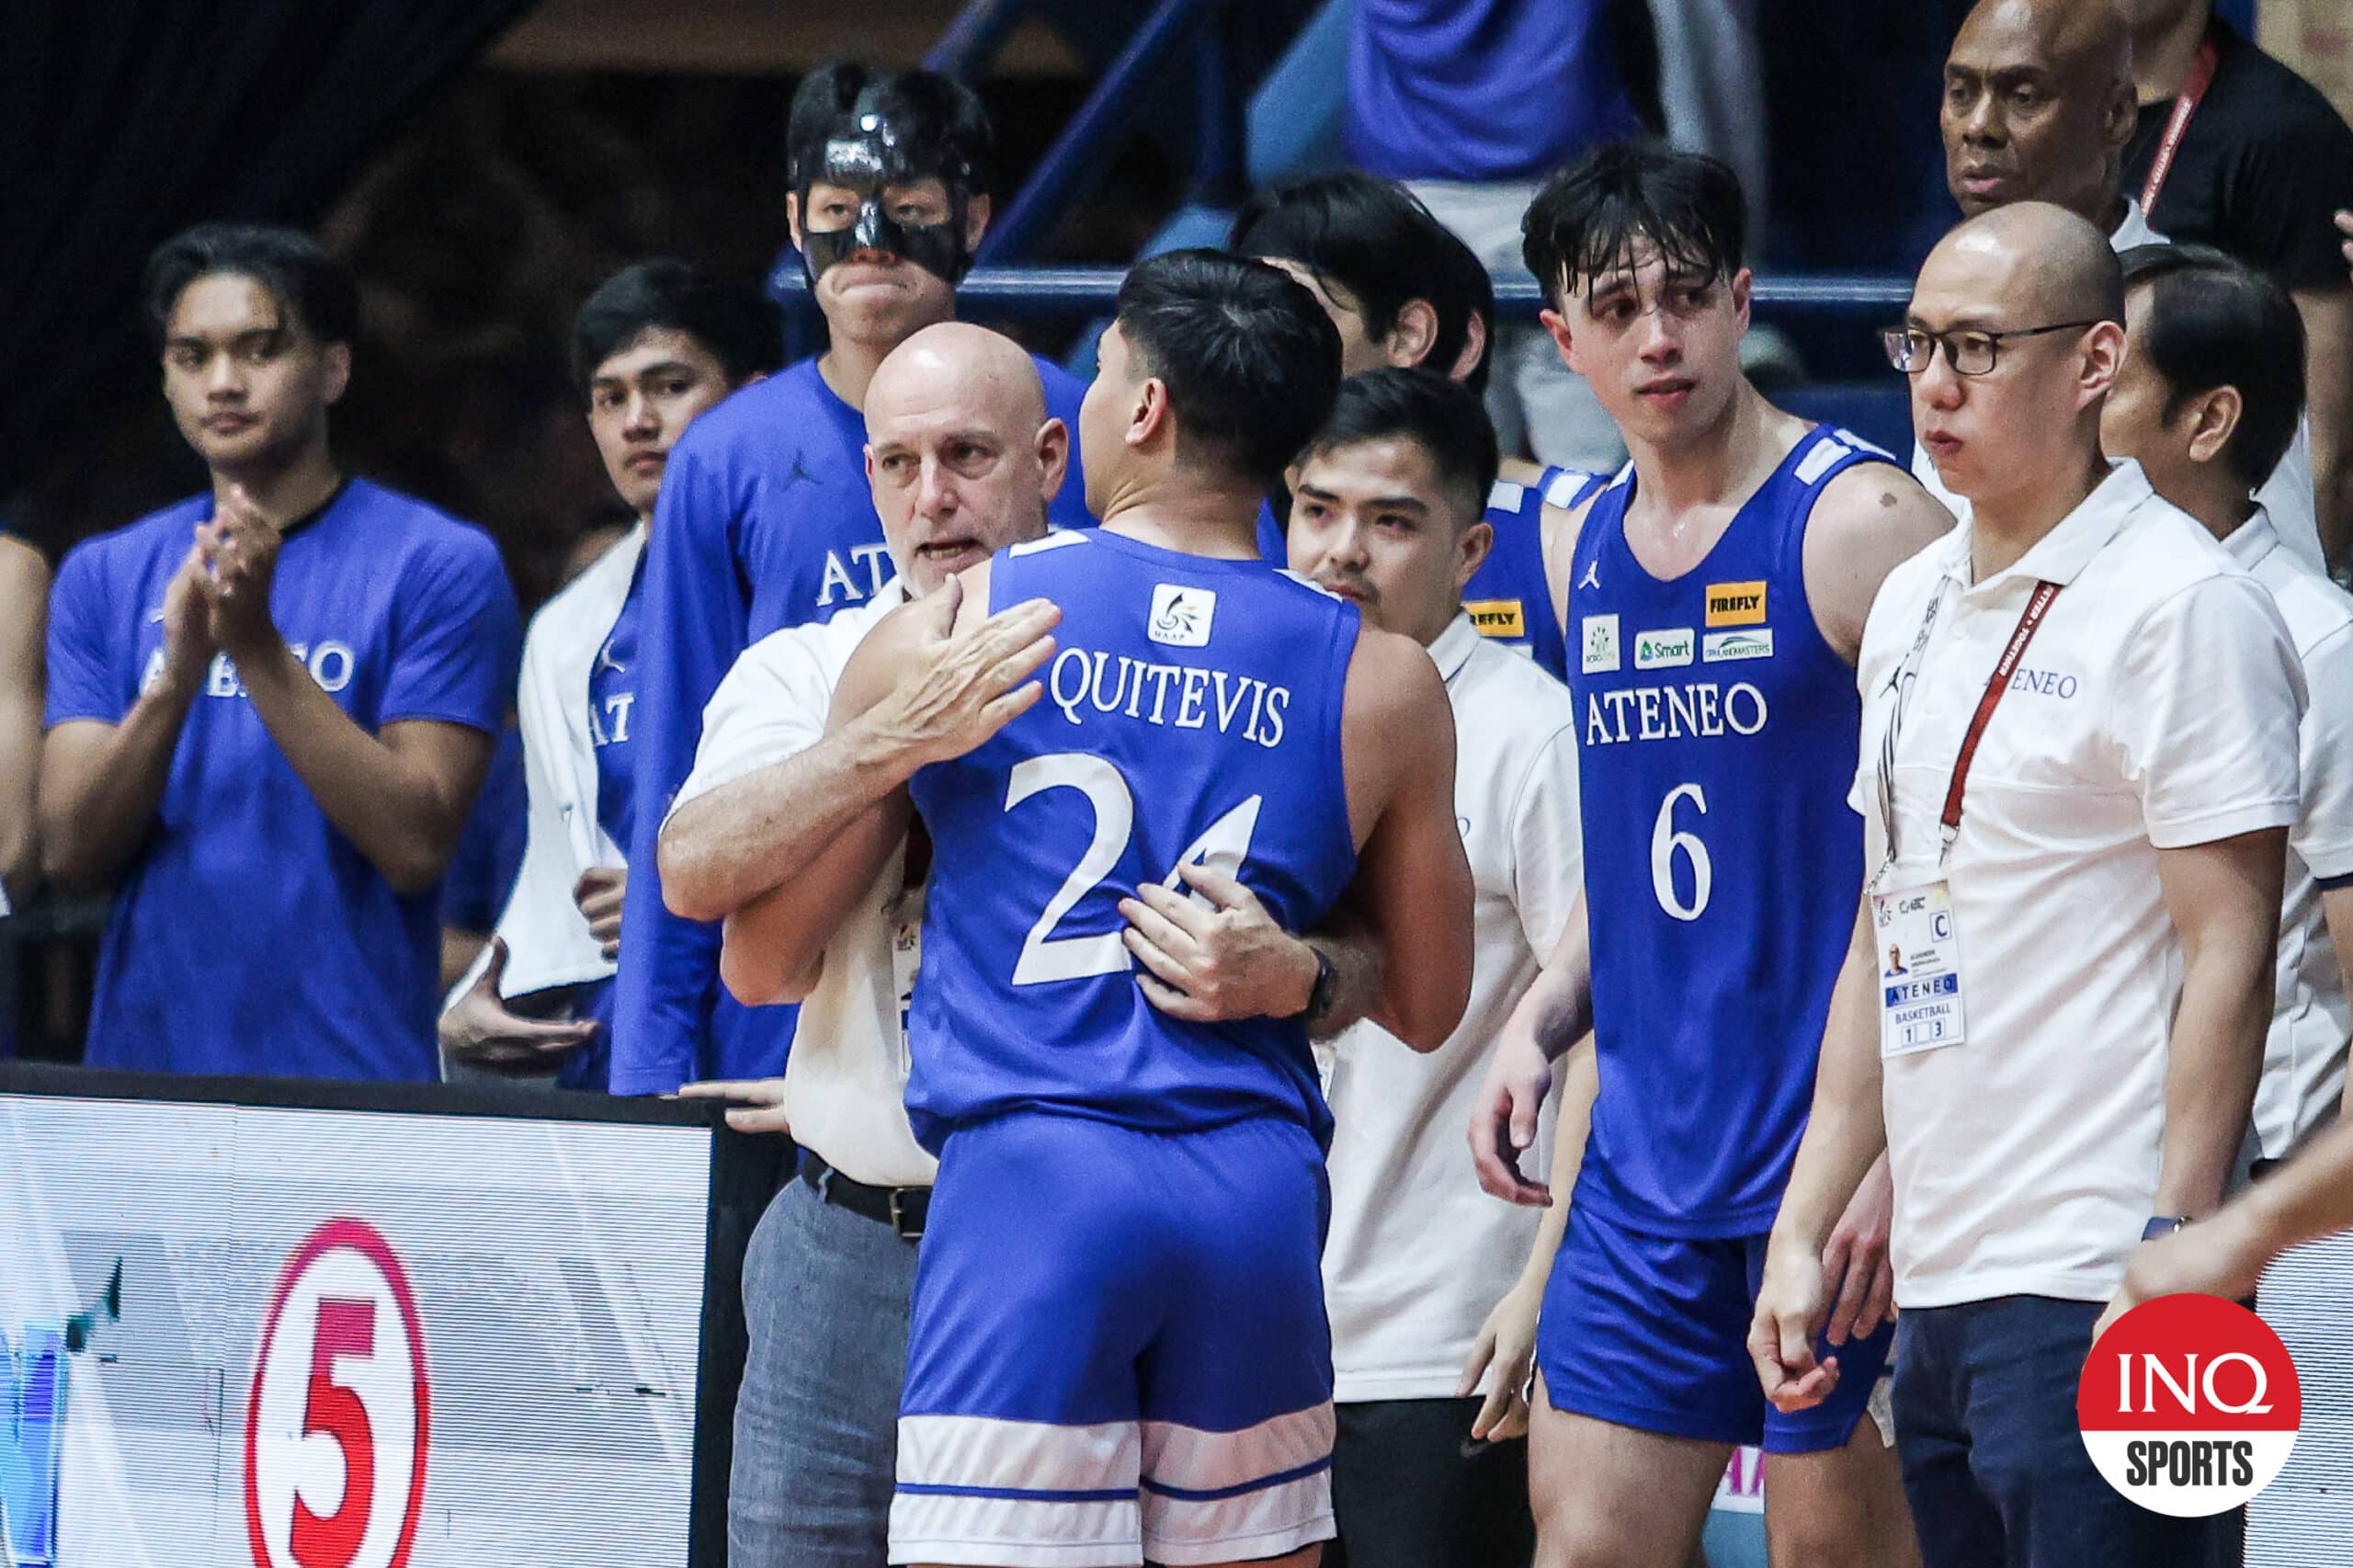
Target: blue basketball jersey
[
  {"x": 1508, "y": 597},
  {"x": 1192, "y": 712},
  {"x": 1721, "y": 861}
]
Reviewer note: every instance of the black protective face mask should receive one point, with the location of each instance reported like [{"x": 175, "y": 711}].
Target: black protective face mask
[{"x": 869, "y": 154}]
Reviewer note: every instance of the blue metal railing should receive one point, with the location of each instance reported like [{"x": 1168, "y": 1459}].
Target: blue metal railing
[{"x": 1063, "y": 293}]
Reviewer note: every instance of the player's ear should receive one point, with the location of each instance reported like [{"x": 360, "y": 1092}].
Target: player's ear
[
  {"x": 1151, "y": 413},
  {"x": 1411, "y": 336},
  {"x": 1474, "y": 349},
  {"x": 1744, "y": 286},
  {"x": 337, "y": 364},
  {"x": 792, "y": 218},
  {"x": 977, "y": 212},
  {"x": 1470, "y": 553},
  {"x": 1053, "y": 458},
  {"x": 1557, "y": 324},
  {"x": 2214, "y": 419}
]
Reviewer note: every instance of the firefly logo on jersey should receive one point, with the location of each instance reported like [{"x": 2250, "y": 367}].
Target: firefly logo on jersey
[
  {"x": 2189, "y": 1406},
  {"x": 34, "y": 1405},
  {"x": 1181, "y": 616},
  {"x": 1497, "y": 618},
  {"x": 1736, "y": 604},
  {"x": 1172, "y": 695}
]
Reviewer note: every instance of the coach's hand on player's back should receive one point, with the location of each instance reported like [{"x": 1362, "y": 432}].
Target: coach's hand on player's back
[
  {"x": 1216, "y": 955},
  {"x": 1503, "y": 1122},
  {"x": 1792, "y": 1303},
  {"x": 958, "y": 689}
]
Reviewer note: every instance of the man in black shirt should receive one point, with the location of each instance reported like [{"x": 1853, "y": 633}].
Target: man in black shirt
[{"x": 2236, "y": 151}]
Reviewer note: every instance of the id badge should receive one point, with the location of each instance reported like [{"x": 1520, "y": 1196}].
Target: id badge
[{"x": 1919, "y": 969}]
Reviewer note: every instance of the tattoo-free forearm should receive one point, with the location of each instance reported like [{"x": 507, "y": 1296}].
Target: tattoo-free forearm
[
  {"x": 100, "y": 792},
  {"x": 2211, "y": 1069},
  {"x": 1580, "y": 1079},
  {"x": 1847, "y": 1129},
  {"x": 400, "y": 811},
  {"x": 751, "y": 836}
]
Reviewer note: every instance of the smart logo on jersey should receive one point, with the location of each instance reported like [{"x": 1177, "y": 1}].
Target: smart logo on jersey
[
  {"x": 1181, "y": 616},
  {"x": 1725, "y": 647},
  {"x": 1497, "y": 618},
  {"x": 1662, "y": 650},
  {"x": 2189, "y": 1406},
  {"x": 1736, "y": 604},
  {"x": 1599, "y": 633}
]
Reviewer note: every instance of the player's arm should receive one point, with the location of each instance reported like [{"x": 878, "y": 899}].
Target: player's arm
[
  {"x": 1868, "y": 520},
  {"x": 24, "y": 620},
  {"x": 2328, "y": 401},
  {"x": 932, "y": 681},
  {"x": 1556, "y": 532},
  {"x": 102, "y": 780},
  {"x": 1412, "y": 880},
  {"x": 1846, "y": 1133},
  {"x": 2224, "y": 900},
  {"x": 402, "y": 795},
  {"x": 1553, "y": 1015}
]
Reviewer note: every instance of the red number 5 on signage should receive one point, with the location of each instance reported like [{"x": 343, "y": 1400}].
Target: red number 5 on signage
[{"x": 336, "y": 1432}]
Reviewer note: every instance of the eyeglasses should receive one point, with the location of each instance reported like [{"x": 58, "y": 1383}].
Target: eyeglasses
[{"x": 1971, "y": 351}]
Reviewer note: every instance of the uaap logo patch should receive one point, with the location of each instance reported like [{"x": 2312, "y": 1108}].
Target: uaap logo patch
[{"x": 1181, "y": 616}]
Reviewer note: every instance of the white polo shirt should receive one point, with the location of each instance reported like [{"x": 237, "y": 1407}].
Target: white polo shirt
[
  {"x": 1416, "y": 1254},
  {"x": 2156, "y": 707},
  {"x": 845, "y": 1080},
  {"x": 2303, "y": 1056}
]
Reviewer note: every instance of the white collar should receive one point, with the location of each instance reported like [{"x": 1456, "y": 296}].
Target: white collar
[
  {"x": 1451, "y": 649},
  {"x": 2060, "y": 556}
]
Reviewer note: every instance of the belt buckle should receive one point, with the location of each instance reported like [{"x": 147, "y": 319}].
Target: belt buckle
[{"x": 900, "y": 1225}]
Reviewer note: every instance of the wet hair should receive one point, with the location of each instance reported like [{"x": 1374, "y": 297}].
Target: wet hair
[
  {"x": 1590, "y": 217},
  {"x": 1373, "y": 238},
  {"x": 311, "y": 286},
  {"x": 1250, "y": 360},
  {"x": 944, "y": 129},
  {"x": 740, "y": 328},
  {"x": 2215, "y": 322},
  {"x": 1444, "y": 417}
]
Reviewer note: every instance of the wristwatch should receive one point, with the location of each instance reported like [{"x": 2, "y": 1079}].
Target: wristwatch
[
  {"x": 2163, "y": 1225},
  {"x": 1319, "y": 995}
]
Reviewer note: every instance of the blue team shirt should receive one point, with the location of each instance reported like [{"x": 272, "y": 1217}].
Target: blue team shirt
[
  {"x": 1192, "y": 711},
  {"x": 480, "y": 877},
  {"x": 1481, "y": 89},
  {"x": 1508, "y": 598},
  {"x": 1722, "y": 864},
  {"x": 764, "y": 522},
  {"x": 249, "y": 936}
]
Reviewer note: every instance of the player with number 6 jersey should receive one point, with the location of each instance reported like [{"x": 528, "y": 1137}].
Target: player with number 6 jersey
[
  {"x": 1717, "y": 592},
  {"x": 1118, "y": 1349}
]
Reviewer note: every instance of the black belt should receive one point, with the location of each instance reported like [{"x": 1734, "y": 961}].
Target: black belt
[{"x": 901, "y": 1207}]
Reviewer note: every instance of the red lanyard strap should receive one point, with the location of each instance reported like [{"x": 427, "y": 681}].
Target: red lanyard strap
[
  {"x": 2202, "y": 76},
  {"x": 1999, "y": 682}
]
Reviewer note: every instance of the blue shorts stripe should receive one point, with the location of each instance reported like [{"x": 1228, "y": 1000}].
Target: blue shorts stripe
[
  {"x": 1218, "y": 1493},
  {"x": 1022, "y": 1494}
]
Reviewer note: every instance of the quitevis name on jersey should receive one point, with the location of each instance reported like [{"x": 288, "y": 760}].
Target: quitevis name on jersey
[{"x": 1088, "y": 686}]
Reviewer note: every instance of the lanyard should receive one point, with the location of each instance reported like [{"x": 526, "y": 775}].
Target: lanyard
[
  {"x": 2038, "y": 604},
  {"x": 2202, "y": 76}
]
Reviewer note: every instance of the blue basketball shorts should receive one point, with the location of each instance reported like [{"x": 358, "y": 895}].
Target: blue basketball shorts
[
  {"x": 1119, "y": 1348},
  {"x": 1652, "y": 1331}
]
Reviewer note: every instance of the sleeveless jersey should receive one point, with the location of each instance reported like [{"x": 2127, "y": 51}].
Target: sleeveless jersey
[
  {"x": 1508, "y": 598},
  {"x": 1718, "y": 733},
  {"x": 1191, "y": 712}
]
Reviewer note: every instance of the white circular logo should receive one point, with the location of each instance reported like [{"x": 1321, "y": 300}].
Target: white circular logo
[{"x": 336, "y": 1429}]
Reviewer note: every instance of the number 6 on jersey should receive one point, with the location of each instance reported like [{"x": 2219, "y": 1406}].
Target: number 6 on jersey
[{"x": 1666, "y": 841}]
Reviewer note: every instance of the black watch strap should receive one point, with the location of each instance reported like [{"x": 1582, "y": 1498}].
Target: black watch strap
[{"x": 1319, "y": 995}]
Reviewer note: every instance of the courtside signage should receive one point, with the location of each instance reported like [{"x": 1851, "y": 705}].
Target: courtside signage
[{"x": 2189, "y": 1406}]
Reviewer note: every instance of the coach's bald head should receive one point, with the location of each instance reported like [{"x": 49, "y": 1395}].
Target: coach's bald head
[
  {"x": 960, "y": 450},
  {"x": 2042, "y": 284},
  {"x": 2038, "y": 106}
]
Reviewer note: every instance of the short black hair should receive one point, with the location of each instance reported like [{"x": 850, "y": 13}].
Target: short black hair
[
  {"x": 2216, "y": 322},
  {"x": 1589, "y": 217},
  {"x": 741, "y": 327},
  {"x": 291, "y": 266},
  {"x": 949, "y": 116},
  {"x": 1445, "y": 417},
  {"x": 1374, "y": 238},
  {"x": 1250, "y": 360}
]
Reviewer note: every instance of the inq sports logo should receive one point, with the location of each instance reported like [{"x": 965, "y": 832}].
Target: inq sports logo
[{"x": 34, "y": 1394}]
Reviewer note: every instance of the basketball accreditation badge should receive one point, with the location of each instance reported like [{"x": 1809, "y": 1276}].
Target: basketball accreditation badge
[{"x": 1919, "y": 955}]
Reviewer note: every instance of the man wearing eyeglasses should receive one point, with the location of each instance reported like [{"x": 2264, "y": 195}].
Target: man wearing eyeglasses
[{"x": 2079, "y": 760}]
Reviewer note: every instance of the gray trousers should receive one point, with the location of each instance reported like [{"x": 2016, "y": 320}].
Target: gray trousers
[{"x": 826, "y": 1296}]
